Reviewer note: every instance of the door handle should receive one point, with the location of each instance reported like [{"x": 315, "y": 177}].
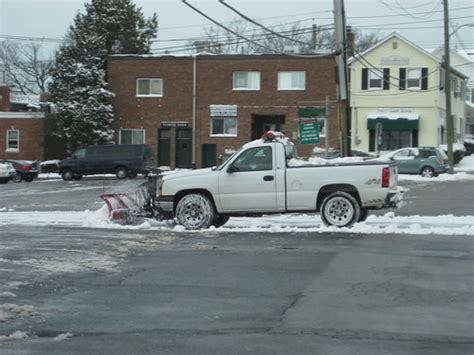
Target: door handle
[{"x": 268, "y": 178}]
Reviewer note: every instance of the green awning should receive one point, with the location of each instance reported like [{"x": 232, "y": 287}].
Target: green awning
[{"x": 390, "y": 124}]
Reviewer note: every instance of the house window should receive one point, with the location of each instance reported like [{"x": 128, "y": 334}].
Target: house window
[
  {"x": 393, "y": 140},
  {"x": 292, "y": 80},
  {"x": 375, "y": 79},
  {"x": 413, "y": 78},
  {"x": 132, "y": 136},
  {"x": 224, "y": 127},
  {"x": 149, "y": 87},
  {"x": 246, "y": 80},
  {"x": 13, "y": 140}
]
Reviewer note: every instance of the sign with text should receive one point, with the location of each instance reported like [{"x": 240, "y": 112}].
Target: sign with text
[
  {"x": 174, "y": 124},
  {"x": 309, "y": 131},
  {"x": 223, "y": 110}
]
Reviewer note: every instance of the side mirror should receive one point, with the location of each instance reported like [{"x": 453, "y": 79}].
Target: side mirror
[{"x": 232, "y": 169}]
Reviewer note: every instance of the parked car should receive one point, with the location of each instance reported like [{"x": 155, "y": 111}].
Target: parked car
[
  {"x": 123, "y": 160},
  {"x": 25, "y": 170},
  {"x": 7, "y": 172},
  {"x": 426, "y": 161}
]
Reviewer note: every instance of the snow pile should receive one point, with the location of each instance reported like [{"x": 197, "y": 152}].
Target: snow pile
[
  {"x": 63, "y": 336},
  {"x": 286, "y": 223},
  {"x": 442, "y": 177},
  {"x": 14, "y": 336},
  {"x": 466, "y": 164},
  {"x": 321, "y": 161}
]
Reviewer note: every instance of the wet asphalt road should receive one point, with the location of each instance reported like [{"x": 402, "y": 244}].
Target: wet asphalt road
[{"x": 95, "y": 291}]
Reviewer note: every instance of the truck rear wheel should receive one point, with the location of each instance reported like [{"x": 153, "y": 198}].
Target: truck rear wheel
[
  {"x": 340, "y": 209},
  {"x": 195, "y": 211}
]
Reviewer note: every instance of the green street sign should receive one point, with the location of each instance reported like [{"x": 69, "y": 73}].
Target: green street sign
[{"x": 309, "y": 132}]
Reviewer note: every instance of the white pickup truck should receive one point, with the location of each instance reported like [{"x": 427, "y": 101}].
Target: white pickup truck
[{"x": 264, "y": 177}]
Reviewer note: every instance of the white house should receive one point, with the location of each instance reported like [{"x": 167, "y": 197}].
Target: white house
[
  {"x": 398, "y": 87},
  {"x": 463, "y": 61}
]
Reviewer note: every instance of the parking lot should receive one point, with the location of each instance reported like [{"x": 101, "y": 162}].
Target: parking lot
[{"x": 72, "y": 284}]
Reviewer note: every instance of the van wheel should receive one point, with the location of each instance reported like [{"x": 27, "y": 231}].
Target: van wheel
[
  {"x": 67, "y": 175},
  {"x": 340, "y": 209},
  {"x": 121, "y": 172},
  {"x": 195, "y": 211}
]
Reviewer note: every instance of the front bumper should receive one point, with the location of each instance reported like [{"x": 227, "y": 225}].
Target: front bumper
[{"x": 165, "y": 205}]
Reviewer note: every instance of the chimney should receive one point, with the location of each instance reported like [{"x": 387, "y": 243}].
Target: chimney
[
  {"x": 350, "y": 41},
  {"x": 4, "y": 98}
]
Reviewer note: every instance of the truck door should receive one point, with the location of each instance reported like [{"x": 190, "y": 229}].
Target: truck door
[{"x": 249, "y": 182}]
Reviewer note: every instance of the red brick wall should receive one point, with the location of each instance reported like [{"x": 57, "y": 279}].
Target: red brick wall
[
  {"x": 4, "y": 98},
  {"x": 214, "y": 86},
  {"x": 31, "y": 138}
]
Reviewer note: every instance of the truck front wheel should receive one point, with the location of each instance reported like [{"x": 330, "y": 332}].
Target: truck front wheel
[
  {"x": 195, "y": 211},
  {"x": 340, "y": 209}
]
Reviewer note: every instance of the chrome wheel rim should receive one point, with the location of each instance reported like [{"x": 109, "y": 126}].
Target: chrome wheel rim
[
  {"x": 339, "y": 211},
  {"x": 427, "y": 172},
  {"x": 193, "y": 212}
]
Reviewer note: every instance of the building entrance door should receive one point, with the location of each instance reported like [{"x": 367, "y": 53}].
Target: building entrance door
[
  {"x": 208, "y": 155},
  {"x": 184, "y": 155},
  {"x": 164, "y": 147}
]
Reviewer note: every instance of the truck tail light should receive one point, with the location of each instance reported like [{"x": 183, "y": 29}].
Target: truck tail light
[{"x": 386, "y": 177}]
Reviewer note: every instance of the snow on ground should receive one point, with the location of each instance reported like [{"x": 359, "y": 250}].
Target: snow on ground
[
  {"x": 466, "y": 164},
  {"x": 287, "y": 223}
]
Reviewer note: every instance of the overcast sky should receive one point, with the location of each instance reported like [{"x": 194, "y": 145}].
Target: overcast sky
[{"x": 420, "y": 21}]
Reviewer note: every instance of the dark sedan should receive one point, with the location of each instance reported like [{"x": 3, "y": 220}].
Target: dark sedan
[{"x": 25, "y": 170}]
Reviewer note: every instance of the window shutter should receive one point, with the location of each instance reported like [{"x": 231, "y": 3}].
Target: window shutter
[
  {"x": 365, "y": 78},
  {"x": 402, "y": 84},
  {"x": 386, "y": 78},
  {"x": 424, "y": 78}
]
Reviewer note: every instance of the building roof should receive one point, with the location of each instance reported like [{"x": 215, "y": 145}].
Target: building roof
[
  {"x": 396, "y": 35},
  {"x": 33, "y": 100},
  {"x": 388, "y": 38}
]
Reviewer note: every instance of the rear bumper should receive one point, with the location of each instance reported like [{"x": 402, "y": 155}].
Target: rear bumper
[{"x": 395, "y": 199}]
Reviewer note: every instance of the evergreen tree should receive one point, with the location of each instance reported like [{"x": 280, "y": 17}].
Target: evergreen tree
[{"x": 79, "y": 88}]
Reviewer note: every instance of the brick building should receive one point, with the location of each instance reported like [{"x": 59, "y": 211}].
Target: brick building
[
  {"x": 25, "y": 129},
  {"x": 223, "y": 101}
]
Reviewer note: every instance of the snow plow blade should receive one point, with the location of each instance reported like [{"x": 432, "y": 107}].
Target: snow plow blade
[{"x": 132, "y": 207}]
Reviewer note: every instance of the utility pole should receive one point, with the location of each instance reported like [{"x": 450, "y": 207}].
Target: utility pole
[
  {"x": 341, "y": 60},
  {"x": 447, "y": 88}
]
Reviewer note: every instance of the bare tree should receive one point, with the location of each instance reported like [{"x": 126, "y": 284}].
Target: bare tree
[
  {"x": 365, "y": 40},
  {"x": 218, "y": 40},
  {"x": 24, "y": 68}
]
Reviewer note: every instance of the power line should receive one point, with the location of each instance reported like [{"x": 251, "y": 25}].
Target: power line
[
  {"x": 190, "y": 46},
  {"x": 249, "y": 40},
  {"x": 259, "y": 24}
]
